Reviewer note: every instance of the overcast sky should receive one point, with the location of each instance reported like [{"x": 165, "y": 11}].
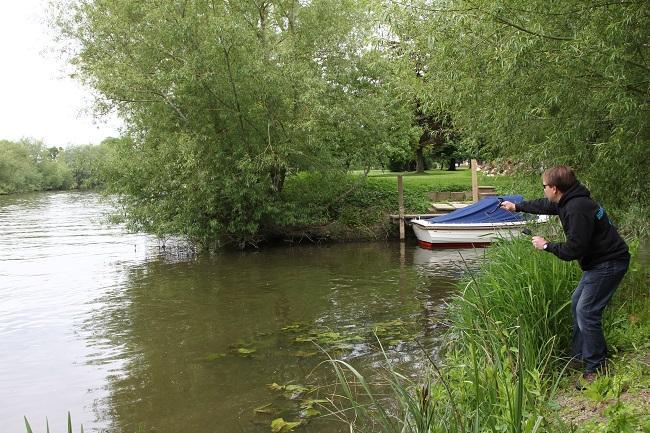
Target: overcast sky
[{"x": 37, "y": 100}]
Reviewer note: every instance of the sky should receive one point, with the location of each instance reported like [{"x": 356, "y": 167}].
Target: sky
[{"x": 37, "y": 98}]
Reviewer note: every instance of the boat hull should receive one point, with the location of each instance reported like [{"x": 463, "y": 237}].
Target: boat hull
[{"x": 431, "y": 235}]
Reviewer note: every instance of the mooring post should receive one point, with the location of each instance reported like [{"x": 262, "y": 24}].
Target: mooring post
[
  {"x": 400, "y": 195},
  {"x": 474, "y": 181}
]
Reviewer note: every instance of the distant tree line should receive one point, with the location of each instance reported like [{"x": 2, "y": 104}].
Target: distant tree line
[{"x": 29, "y": 165}]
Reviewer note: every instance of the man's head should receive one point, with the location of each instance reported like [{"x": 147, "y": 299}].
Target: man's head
[{"x": 556, "y": 181}]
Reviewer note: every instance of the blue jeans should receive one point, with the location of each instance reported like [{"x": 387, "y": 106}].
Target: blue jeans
[{"x": 590, "y": 298}]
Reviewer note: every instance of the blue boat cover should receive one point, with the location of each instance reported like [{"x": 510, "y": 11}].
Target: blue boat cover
[{"x": 486, "y": 210}]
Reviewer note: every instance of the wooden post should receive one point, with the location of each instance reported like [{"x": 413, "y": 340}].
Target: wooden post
[
  {"x": 474, "y": 181},
  {"x": 400, "y": 195}
]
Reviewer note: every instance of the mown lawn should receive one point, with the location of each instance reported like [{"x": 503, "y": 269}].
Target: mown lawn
[
  {"x": 434, "y": 178},
  {"x": 440, "y": 180}
]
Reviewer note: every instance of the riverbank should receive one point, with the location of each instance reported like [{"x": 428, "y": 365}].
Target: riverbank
[
  {"x": 506, "y": 367},
  {"x": 317, "y": 207},
  {"x": 337, "y": 207}
]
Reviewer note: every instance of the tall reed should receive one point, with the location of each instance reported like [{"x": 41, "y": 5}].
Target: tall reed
[
  {"x": 519, "y": 295},
  {"x": 508, "y": 325}
]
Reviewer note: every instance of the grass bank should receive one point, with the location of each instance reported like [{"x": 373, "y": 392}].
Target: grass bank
[
  {"x": 506, "y": 365},
  {"x": 338, "y": 207}
]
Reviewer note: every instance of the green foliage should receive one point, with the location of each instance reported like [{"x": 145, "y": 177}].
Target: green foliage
[
  {"x": 508, "y": 327},
  {"x": 18, "y": 170},
  {"x": 621, "y": 397},
  {"x": 621, "y": 417},
  {"x": 88, "y": 163},
  {"x": 342, "y": 206},
  {"x": 223, "y": 104},
  {"x": 27, "y": 165},
  {"x": 279, "y": 425},
  {"x": 470, "y": 396},
  {"x": 544, "y": 83},
  {"x": 627, "y": 322}
]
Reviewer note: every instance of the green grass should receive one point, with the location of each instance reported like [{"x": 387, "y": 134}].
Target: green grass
[
  {"x": 435, "y": 179},
  {"x": 461, "y": 180}
]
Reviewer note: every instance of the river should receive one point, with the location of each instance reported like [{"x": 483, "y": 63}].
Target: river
[{"x": 125, "y": 335}]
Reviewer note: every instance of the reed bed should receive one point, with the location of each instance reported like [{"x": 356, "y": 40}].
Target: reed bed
[
  {"x": 509, "y": 330},
  {"x": 520, "y": 297}
]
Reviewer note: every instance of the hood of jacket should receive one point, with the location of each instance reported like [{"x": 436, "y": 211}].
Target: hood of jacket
[{"x": 577, "y": 190}]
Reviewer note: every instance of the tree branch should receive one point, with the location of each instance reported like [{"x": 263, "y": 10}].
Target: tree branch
[{"x": 530, "y": 32}]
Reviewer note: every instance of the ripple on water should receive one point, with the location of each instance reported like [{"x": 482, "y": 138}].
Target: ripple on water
[{"x": 100, "y": 325}]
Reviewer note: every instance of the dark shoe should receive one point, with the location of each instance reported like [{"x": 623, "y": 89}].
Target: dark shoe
[{"x": 585, "y": 380}]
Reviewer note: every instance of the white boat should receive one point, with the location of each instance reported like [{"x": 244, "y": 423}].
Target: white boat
[
  {"x": 440, "y": 235},
  {"x": 456, "y": 230}
]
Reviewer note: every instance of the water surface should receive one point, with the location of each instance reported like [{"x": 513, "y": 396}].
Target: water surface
[{"x": 106, "y": 325}]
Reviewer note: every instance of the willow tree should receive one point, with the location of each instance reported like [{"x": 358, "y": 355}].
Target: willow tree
[
  {"x": 546, "y": 82},
  {"x": 223, "y": 100}
]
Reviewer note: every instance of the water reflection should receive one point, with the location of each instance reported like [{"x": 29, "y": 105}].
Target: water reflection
[
  {"x": 170, "y": 317},
  {"x": 148, "y": 339}
]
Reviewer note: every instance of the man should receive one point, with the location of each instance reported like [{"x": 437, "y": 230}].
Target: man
[{"x": 593, "y": 241}]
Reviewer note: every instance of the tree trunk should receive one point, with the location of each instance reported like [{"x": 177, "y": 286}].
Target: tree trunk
[
  {"x": 419, "y": 160},
  {"x": 278, "y": 175},
  {"x": 452, "y": 164}
]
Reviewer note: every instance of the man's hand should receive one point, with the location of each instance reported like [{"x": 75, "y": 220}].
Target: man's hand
[
  {"x": 508, "y": 205},
  {"x": 539, "y": 242}
]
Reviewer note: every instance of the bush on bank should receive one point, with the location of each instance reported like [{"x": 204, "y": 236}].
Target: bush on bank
[
  {"x": 339, "y": 206},
  {"x": 28, "y": 165},
  {"x": 312, "y": 207}
]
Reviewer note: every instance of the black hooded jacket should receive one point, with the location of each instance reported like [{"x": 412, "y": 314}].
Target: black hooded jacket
[{"x": 590, "y": 236}]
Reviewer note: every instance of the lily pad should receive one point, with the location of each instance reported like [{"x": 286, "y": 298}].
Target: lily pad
[
  {"x": 310, "y": 413},
  {"x": 214, "y": 356},
  {"x": 330, "y": 337},
  {"x": 279, "y": 425},
  {"x": 307, "y": 408},
  {"x": 292, "y": 392},
  {"x": 275, "y": 387},
  {"x": 311, "y": 402},
  {"x": 296, "y": 388},
  {"x": 244, "y": 351}
]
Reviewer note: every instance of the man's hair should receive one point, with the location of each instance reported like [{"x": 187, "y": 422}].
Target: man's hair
[{"x": 561, "y": 177}]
